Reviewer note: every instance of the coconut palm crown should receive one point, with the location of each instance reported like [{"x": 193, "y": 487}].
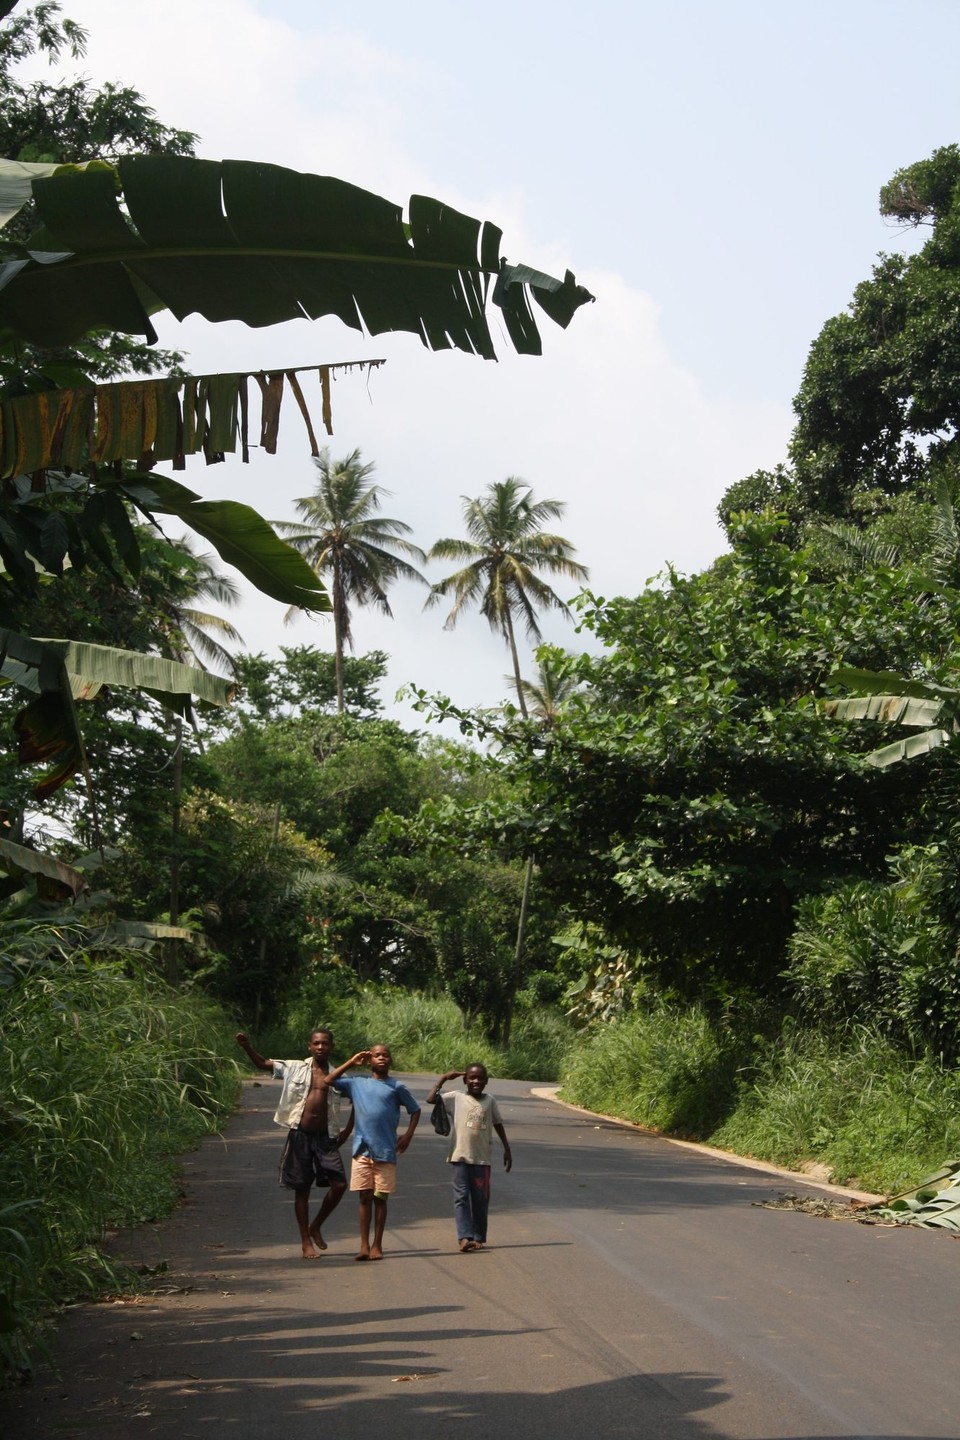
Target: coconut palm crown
[
  {"x": 505, "y": 549},
  {"x": 362, "y": 552}
]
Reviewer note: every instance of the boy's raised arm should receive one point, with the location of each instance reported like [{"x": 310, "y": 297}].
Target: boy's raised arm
[
  {"x": 441, "y": 1080},
  {"x": 254, "y": 1055},
  {"x": 362, "y": 1057}
]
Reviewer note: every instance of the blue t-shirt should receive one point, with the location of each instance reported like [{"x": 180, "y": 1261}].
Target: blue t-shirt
[{"x": 376, "y": 1110}]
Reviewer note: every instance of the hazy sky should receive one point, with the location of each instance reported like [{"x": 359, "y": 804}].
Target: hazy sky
[{"x": 710, "y": 172}]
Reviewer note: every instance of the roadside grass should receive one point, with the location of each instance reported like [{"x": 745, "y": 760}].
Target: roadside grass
[
  {"x": 880, "y": 1119},
  {"x": 426, "y": 1032},
  {"x": 107, "y": 1076}
]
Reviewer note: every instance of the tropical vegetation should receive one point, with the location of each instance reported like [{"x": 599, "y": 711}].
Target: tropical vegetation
[{"x": 706, "y": 874}]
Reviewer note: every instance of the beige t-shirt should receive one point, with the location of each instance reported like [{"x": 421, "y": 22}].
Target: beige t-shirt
[{"x": 472, "y": 1120}]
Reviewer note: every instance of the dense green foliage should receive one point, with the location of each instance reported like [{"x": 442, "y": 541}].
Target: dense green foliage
[
  {"x": 108, "y": 1075},
  {"x": 693, "y": 792}
]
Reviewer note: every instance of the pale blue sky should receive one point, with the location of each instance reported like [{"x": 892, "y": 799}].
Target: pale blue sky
[{"x": 709, "y": 171}]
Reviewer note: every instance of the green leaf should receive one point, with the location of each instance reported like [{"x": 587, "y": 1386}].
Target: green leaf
[
  {"x": 16, "y": 185},
  {"x": 240, "y": 536},
  {"x": 876, "y": 682},
  {"x": 237, "y": 240},
  {"x": 909, "y": 748}
]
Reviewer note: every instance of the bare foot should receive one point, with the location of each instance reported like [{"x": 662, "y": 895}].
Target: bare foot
[
  {"x": 465, "y": 1246},
  {"x": 375, "y": 1252},
  {"x": 364, "y": 1255},
  {"x": 316, "y": 1237},
  {"x": 311, "y": 1254}
]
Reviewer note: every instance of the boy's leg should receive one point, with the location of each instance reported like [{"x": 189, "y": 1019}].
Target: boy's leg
[
  {"x": 366, "y": 1212},
  {"x": 333, "y": 1174},
  {"x": 462, "y": 1212},
  {"x": 379, "y": 1222},
  {"x": 330, "y": 1202},
  {"x": 479, "y": 1201},
  {"x": 301, "y": 1208}
]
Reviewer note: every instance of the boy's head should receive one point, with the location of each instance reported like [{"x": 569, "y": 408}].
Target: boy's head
[
  {"x": 380, "y": 1059},
  {"x": 475, "y": 1079},
  {"x": 320, "y": 1043}
]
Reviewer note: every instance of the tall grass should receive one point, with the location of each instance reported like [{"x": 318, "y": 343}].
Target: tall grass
[
  {"x": 105, "y": 1074},
  {"x": 852, "y": 1100},
  {"x": 425, "y": 1032},
  {"x": 671, "y": 1070}
]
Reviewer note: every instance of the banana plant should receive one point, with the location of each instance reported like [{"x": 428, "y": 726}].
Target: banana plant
[{"x": 930, "y": 709}]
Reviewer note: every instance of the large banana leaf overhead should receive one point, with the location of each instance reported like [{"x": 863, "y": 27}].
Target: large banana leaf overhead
[{"x": 238, "y": 240}]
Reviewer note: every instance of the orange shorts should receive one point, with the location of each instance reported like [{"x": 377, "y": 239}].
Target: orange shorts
[{"x": 375, "y": 1175}]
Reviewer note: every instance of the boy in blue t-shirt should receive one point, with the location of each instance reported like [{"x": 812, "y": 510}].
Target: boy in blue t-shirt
[{"x": 377, "y": 1102}]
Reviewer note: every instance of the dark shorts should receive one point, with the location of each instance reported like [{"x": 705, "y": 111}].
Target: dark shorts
[{"x": 310, "y": 1159}]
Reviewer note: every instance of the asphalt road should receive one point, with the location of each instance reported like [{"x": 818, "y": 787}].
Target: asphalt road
[{"x": 632, "y": 1288}]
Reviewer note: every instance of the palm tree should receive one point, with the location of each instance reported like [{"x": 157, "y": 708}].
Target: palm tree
[
  {"x": 544, "y": 699},
  {"x": 506, "y": 548},
  {"x": 364, "y": 552},
  {"x": 192, "y": 636}
]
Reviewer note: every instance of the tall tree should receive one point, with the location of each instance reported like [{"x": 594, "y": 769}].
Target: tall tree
[
  {"x": 506, "y": 548},
  {"x": 878, "y": 410},
  {"x": 341, "y": 534}
]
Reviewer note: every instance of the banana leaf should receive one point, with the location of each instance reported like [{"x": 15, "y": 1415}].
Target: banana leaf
[
  {"x": 239, "y": 534},
  {"x": 20, "y": 859},
  {"x": 47, "y": 728},
  {"x": 241, "y": 240},
  {"x": 934, "y": 1203},
  {"x": 895, "y": 709},
  {"x": 143, "y": 933},
  {"x": 877, "y": 682},
  {"x": 916, "y": 702},
  {"x": 16, "y": 180},
  {"x": 149, "y": 421},
  {"x": 38, "y": 665}
]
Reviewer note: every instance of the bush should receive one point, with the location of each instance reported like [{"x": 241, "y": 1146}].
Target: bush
[
  {"x": 106, "y": 1075},
  {"x": 426, "y": 1033},
  {"x": 670, "y": 1069},
  {"x": 878, "y": 955}
]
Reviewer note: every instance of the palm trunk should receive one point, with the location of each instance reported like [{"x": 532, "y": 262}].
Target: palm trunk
[
  {"x": 171, "y": 964},
  {"x": 339, "y": 607},
  {"x": 511, "y": 641},
  {"x": 528, "y": 870}
]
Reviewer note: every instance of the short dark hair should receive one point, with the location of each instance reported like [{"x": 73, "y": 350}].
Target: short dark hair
[
  {"x": 478, "y": 1065},
  {"x": 321, "y": 1030}
]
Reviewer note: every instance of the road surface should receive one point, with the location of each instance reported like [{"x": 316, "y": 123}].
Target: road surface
[{"x": 632, "y": 1287}]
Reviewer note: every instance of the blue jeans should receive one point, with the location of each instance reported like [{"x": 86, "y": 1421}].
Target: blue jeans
[{"x": 471, "y": 1200}]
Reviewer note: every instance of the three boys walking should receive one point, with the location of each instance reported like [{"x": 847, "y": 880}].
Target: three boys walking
[{"x": 309, "y": 1108}]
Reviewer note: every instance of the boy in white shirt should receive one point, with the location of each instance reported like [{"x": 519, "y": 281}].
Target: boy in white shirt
[{"x": 310, "y": 1113}]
